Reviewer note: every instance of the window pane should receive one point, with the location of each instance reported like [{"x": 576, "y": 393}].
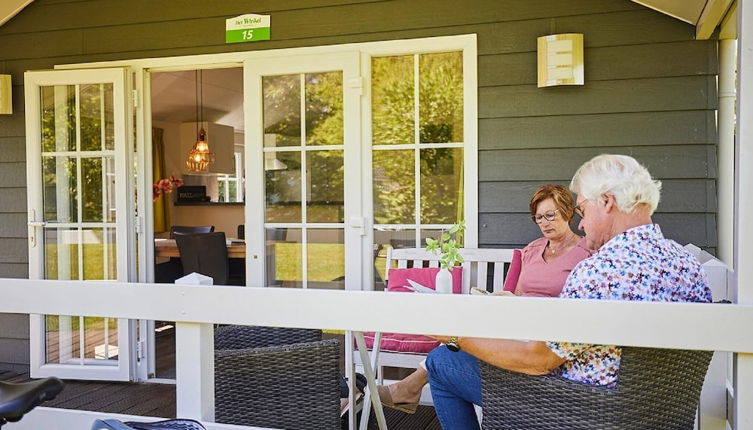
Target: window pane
[
  {"x": 282, "y": 110},
  {"x": 109, "y": 117},
  {"x": 392, "y": 96},
  {"x": 91, "y": 189},
  {"x": 326, "y": 259},
  {"x": 324, "y": 108},
  {"x": 441, "y": 97},
  {"x": 384, "y": 240},
  {"x": 394, "y": 187},
  {"x": 58, "y": 106},
  {"x": 284, "y": 257},
  {"x": 61, "y": 339},
  {"x": 325, "y": 202},
  {"x": 441, "y": 185},
  {"x": 61, "y": 254},
  {"x": 101, "y": 341},
  {"x": 60, "y": 194},
  {"x": 95, "y": 254},
  {"x": 90, "y": 102},
  {"x": 283, "y": 188}
]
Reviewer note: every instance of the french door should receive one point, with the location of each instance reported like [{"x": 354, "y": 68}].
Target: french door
[
  {"x": 305, "y": 224},
  {"x": 79, "y": 201}
]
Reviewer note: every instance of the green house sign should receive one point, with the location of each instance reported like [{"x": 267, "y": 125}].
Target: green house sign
[{"x": 247, "y": 28}]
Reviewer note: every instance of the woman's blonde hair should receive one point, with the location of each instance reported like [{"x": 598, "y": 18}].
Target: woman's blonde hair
[
  {"x": 621, "y": 176},
  {"x": 561, "y": 196}
]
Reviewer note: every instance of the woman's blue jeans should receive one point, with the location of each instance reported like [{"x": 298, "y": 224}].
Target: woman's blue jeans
[{"x": 455, "y": 382}]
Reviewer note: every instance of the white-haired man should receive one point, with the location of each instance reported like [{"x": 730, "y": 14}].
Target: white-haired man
[{"x": 616, "y": 198}]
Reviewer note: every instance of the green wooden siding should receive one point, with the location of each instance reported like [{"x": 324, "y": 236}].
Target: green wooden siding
[{"x": 650, "y": 92}]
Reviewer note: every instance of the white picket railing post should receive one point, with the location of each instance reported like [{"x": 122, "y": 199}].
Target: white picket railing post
[{"x": 194, "y": 365}]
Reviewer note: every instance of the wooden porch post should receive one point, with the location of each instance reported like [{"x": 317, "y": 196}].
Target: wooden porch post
[
  {"x": 743, "y": 383},
  {"x": 194, "y": 360}
]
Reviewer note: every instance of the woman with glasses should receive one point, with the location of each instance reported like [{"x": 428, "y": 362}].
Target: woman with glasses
[{"x": 547, "y": 261}]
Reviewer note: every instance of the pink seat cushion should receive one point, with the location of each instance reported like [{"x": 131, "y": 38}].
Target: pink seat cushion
[
  {"x": 513, "y": 273},
  {"x": 426, "y": 276},
  {"x": 406, "y": 343},
  {"x": 397, "y": 282}
]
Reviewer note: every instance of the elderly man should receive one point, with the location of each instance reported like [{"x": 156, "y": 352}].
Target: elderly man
[{"x": 616, "y": 198}]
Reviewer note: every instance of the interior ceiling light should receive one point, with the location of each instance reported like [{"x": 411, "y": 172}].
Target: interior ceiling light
[{"x": 200, "y": 156}]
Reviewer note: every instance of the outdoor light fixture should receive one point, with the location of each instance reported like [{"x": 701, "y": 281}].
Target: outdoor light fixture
[
  {"x": 560, "y": 59},
  {"x": 200, "y": 156},
  {"x": 6, "y": 101}
]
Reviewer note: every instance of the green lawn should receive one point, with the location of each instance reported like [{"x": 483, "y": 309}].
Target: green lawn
[{"x": 326, "y": 261}]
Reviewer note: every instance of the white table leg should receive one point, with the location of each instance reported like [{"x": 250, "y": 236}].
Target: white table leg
[{"x": 372, "y": 394}]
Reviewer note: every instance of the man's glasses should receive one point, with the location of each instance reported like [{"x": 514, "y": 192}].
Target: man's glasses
[
  {"x": 579, "y": 209},
  {"x": 548, "y": 215}
]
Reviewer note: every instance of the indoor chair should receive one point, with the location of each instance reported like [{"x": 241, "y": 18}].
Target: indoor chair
[
  {"x": 189, "y": 229},
  {"x": 204, "y": 253}
]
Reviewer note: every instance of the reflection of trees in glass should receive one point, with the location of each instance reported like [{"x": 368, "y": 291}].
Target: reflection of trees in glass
[
  {"x": 441, "y": 185},
  {"x": 324, "y": 126},
  {"x": 324, "y": 113},
  {"x": 440, "y": 89},
  {"x": 394, "y": 187},
  {"x": 282, "y": 108},
  {"x": 90, "y": 129},
  {"x": 392, "y": 99},
  {"x": 441, "y": 121}
]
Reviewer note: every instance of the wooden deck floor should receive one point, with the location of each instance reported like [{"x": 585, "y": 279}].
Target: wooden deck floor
[{"x": 158, "y": 400}]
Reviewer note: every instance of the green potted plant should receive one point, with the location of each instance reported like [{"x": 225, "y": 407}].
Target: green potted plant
[{"x": 447, "y": 247}]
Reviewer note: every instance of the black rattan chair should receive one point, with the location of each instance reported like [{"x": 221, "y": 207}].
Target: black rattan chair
[
  {"x": 204, "y": 253},
  {"x": 657, "y": 389},
  {"x": 276, "y": 377}
]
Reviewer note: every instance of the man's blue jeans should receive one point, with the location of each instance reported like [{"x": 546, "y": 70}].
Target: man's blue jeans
[{"x": 455, "y": 382}]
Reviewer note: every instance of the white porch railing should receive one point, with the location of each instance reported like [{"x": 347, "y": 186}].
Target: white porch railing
[{"x": 196, "y": 308}]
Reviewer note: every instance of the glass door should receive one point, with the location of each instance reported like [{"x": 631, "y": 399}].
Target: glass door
[
  {"x": 78, "y": 189},
  {"x": 305, "y": 229}
]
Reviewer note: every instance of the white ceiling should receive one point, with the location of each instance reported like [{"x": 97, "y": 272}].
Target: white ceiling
[
  {"x": 685, "y": 10},
  {"x": 174, "y": 96},
  {"x": 9, "y": 8}
]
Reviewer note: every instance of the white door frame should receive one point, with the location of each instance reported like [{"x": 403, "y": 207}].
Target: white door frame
[
  {"x": 348, "y": 63},
  {"x": 118, "y": 77}
]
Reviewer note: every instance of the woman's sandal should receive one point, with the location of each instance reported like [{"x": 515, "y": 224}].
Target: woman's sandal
[{"x": 386, "y": 398}]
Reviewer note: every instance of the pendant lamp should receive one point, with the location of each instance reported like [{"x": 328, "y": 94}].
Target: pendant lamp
[{"x": 200, "y": 156}]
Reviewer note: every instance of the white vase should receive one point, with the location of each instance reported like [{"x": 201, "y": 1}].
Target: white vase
[{"x": 443, "y": 283}]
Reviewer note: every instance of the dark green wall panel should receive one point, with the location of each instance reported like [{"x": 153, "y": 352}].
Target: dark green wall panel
[
  {"x": 692, "y": 161},
  {"x": 678, "y": 195},
  {"x": 13, "y": 199},
  {"x": 12, "y": 149},
  {"x": 607, "y": 63},
  {"x": 627, "y": 95},
  {"x": 515, "y": 230},
  {"x": 617, "y": 129}
]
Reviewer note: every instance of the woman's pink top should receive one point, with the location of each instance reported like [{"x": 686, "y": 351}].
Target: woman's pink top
[{"x": 542, "y": 279}]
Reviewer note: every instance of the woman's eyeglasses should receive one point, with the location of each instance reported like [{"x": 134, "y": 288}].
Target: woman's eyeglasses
[{"x": 548, "y": 215}]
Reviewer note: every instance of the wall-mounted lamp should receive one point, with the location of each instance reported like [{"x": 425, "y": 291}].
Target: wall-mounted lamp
[
  {"x": 6, "y": 101},
  {"x": 560, "y": 59}
]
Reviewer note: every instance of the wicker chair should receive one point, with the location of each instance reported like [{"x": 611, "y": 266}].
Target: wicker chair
[
  {"x": 276, "y": 377},
  {"x": 657, "y": 389}
]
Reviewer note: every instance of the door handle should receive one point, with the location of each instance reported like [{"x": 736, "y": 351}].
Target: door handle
[{"x": 32, "y": 233}]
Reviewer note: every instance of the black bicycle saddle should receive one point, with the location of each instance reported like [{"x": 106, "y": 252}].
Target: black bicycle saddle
[{"x": 18, "y": 399}]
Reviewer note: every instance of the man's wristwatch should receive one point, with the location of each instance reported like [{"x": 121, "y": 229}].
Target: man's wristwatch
[{"x": 453, "y": 344}]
